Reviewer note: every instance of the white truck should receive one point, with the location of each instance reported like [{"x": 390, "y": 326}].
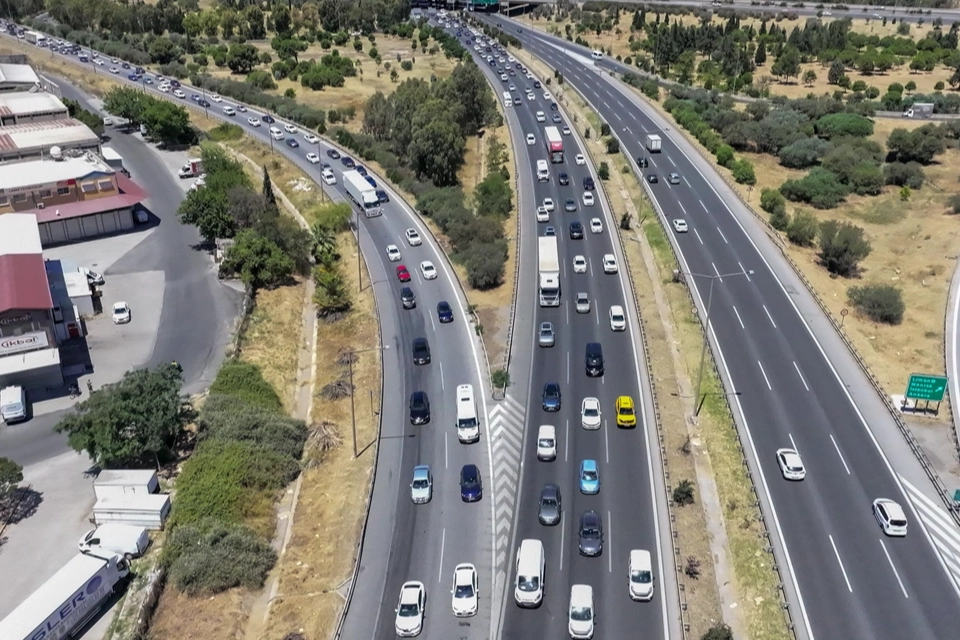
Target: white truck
[
  {"x": 194, "y": 167},
  {"x": 654, "y": 143},
  {"x": 919, "y": 110},
  {"x": 549, "y": 267},
  {"x": 362, "y": 193},
  {"x": 13, "y": 405},
  {"x": 115, "y": 160},
  {"x": 68, "y": 600},
  {"x": 35, "y": 38}
]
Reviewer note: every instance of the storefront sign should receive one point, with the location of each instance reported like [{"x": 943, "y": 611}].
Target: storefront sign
[
  {"x": 25, "y": 342},
  {"x": 15, "y": 319}
]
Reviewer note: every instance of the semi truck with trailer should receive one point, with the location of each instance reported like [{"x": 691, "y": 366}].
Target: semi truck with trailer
[
  {"x": 554, "y": 144},
  {"x": 549, "y": 267},
  {"x": 362, "y": 193},
  {"x": 65, "y": 602},
  {"x": 654, "y": 143}
]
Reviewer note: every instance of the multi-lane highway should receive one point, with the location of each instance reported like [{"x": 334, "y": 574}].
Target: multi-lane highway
[
  {"x": 405, "y": 541},
  {"x": 798, "y": 388},
  {"x": 626, "y": 502}
]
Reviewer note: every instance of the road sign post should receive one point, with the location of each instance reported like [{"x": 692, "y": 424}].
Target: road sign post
[{"x": 926, "y": 387}]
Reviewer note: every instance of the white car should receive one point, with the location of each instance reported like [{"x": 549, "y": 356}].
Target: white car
[
  {"x": 531, "y": 139},
  {"x": 547, "y": 96},
  {"x": 230, "y": 111},
  {"x": 393, "y": 253},
  {"x": 548, "y": 205},
  {"x": 253, "y": 122},
  {"x": 542, "y": 214},
  {"x": 312, "y": 139},
  {"x": 580, "y": 159},
  {"x": 679, "y": 225},
  {"x": 618, "y": 321},
  {"x": 180, "y": 94},
  {"x": 590, "y": 413},
  {"x": 328, "y": 177},
  {"x": 890, "y": 516},
  {"x": 566, "y": 130},
  {"x": 241, "y": 108},
  {"x": 596, "y": 226},
  {"x": 121, "y": 313},
  {"x": 610, "y": 263},
  {"x": 428, "y": 271},
  {"x": 541, "y": 116},
  {"x": 791, "y": 466},
  {"x": 579, "y": 264},
  {"x": 114, "y": 70},
  {"x": 413, "y": 598},
  {"x": 583, "y": 303},
  {"x": 216, "y": 98},
  {"x": 546, "y": 443},
  {"x": 289, "y": 128},
  {"x": 163, "y": 88},
  {"x": 588, "y": 200},
  {"x": 531, "y": 97},
  {"x": 512, "y": 87},
  {"x": 414, "y": 238},
  {"x": 313, "y": 158},
  {"x": 465, "y": 592}
]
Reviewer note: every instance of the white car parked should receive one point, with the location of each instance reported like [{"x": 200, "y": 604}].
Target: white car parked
[
  {"x": 328, "y": 177},
  {"x": 596, "y": 226},
  {"x": 610, "y": 263},
  {"x": 413, "y": 238},
  {"x": 428, "y": 270},
  {"x": 413, "y": 599},
  {"x": 579, "y": 264},
  {"x": 121, "y": 313},
  {"x": 791, "y": 466},
  {"x": 590, "y": 413},
  {"x": 465, "y": 591},
  {"x": 393, "y": 253}
]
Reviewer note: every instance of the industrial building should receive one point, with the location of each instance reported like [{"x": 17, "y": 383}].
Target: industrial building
[
  {"x": 35, "y": 139},
  {"x": 22, "y": 107},
  {"x": 18, "y": 77}
]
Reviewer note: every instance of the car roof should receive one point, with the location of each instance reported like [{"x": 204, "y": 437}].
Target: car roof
[
  {"x": 546, "y": 430},
  {"x": 443, "y": 303},
  {"x": 625, "y": 400},
  {"x": 590, "y": 517},
  {"x": 470, "y": 470},
  {"x": 551, "y": 385},
  {"x": 421, "y": 470},
  {"x": 549, "y": 489},
  {"x": 588, "y": 464},
  {"x": 464, "y": 569},
  {"x": 419, "y": 341},
  {"x": 419, "y": 395},
  {"x": 640, "y": 559}
]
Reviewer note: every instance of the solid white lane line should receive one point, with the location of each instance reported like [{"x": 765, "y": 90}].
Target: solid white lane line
[
  {"x": 441, "y": 376},
  {"x": 443, "y": 542},
  {"x": 745, "y": 272},
  {"x": 792, "y": 443},
  {"x": 567, "y": 306},
  {"x": 840, "y": 562},
  {"x": 566, "y": 444},
  {"x": 795, "y": 366},
  {"x": 716, "y": 271},
  {"x": 609, "y": 542},
  {"x": 722, "y": 236},
  {"x": 765, "y": 378},
  {"x": 432, "y": 324},
  {"x": 895, "y": 572},
  {"x": 606, "y": 439},
  {"x": 563, "y": 534},
  {"x": 739, "y": 318},
  {"x": 835, "y": 446},
  {"x": 446, "y": 450},
  {"x": 568, "y": 367},
  {"x": 698, "y": 236},
  {"x": 770, "y": 317}
]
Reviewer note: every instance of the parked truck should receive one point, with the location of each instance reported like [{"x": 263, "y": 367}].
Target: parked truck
[
  {"x": 194, "y": 167},
  {"x": 549, "y": 267},
  {"x": 115, "y": 160},
  {"x": 919, "y": 110},
  {"x": 362, "y": 193},
  {"x": 68, "y": 600},
  {"x": 654, "y": 143}
]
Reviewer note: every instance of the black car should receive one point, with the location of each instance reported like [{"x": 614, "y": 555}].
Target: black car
[
  {"x": 551, "y": 397},
  {"x": 563, "y": 178},
  {"x": 576, "y": 230},
  {"x": 419, "y": 408},
  {"x": 348, "y": 162},
  {"x": 370, "y": 181},
  {"x": 553, "y": 106},
  {"x": 642, "y": 162},
  {"x": 589, "y": 184},
  {"x": 382, "y": 196},
  {"x": 361, "y": 170},
  {"x": 550, "y": 507},
  {"x": 204, "y": 103},
  {"x": 444, "y": 312},
  {"x": 591, "y": 534},
  {"x": 421, "y": 351},
  {"x": 408, "y": 298},
  {"x": 652, "y": 178},
  {"x": 471, "y": 486},
  {"x": 292, "y": 143},
  {"x": 333, "y": 154},
  {"x": 175, "y": 84},
  {"x": 536, "y": 84},
  {"x": 267, "y": 118}
]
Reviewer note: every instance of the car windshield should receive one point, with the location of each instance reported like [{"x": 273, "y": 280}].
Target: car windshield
[
  {"x": 528, "y": 583},
  {"x": 641, "y": 577},
  {"x": 591, "y": 412},
  {"x": 420, "y": 484},
  {"x": 549, "y": 503},
  {"x": 589, "y": 475},
  {"x": 590, "y": 530},
  {"x": 464, "y": 591},
  {"x": 580, "y": 614},
  {"x": 408, "y": 610},
  {"x": 626, "y": 411},
  {"x": 545, "y": 443}
]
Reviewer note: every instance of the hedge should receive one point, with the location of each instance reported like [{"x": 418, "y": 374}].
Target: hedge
[{"x": 245, "y": 382}]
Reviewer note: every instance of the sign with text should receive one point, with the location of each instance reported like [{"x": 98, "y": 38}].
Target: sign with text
[
  {"x": 26, "y": 342},
  {"x": 922, "y": 386}
]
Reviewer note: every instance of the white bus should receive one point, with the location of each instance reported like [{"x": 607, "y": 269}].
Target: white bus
[{"x": 468, "y": 426}]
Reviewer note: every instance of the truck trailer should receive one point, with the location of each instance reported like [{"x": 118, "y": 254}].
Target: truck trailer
[
  {"x": 68, "y": 600},
  {"x": 35, "y": 38},
  {"x": 554, "y": 144},
  {"x": 549, "y": 267},
  {"x": 654, "y": 143},
  {"x": 919, "y": 110},
  {"x": 362, "y": 193}
]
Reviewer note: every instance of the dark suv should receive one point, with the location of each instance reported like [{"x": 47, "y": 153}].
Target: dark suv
[
  {"x": 563, "y": 178},
  {"x": 589, "y": 184},
  {"x": 594, "y": 359},
  {"x": 419, "y": 408},
  {"x": 576, "y": 230},
  {"x": 421, "y": 351},
  {"x": 408, "y": 298}
]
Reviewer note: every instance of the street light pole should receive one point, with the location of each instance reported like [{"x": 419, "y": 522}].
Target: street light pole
[{"x": 353, "y": 406}]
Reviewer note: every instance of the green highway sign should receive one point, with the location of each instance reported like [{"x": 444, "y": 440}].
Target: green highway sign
[{"x": 926, "y": 387}]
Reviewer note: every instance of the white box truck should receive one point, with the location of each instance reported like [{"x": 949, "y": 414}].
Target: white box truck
[
  {"x": 115, "y": 160},
  {"x": 122, "y": 483},
  {"x": 362, "y": 193},
  {"x": 13, "y": 404},
  {"x": 149, "y": 511},
  {"x": 919, "y": 110},
  {"x": 68, "y": 600},
  {"x": 119, "y": 539},
  {"x": 654, "y": 143},
  {"x": 549, "y": 267},
  {"x": 194, "y": 167}
]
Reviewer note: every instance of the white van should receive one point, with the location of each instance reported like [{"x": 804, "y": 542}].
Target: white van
[
  {"x": 507, "y": 99},
  {"x": 468, "y": 426},
  {"x": 530, "y": 568},
  {"x": 543, "y": 171},
  {"x": 597, "y": 54},
  {"x": 122, "y": 539},
  {"x": 580, "y": 623},
  {"x": 276, "y": 134},
  {"x": 640, "y": 575},
  {"x": 546, "y": 443},
  {"x": 13, "y": 404}
]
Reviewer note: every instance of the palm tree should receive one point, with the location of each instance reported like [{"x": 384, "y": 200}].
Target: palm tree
[{"x": 324, "y": 242}]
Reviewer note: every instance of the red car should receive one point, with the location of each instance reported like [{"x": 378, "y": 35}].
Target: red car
[{"x": 403, "y": 274}]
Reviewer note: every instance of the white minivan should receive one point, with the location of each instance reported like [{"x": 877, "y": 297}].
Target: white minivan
[
  {"x": 468, "y": 426},
  {"x": 580, "y": 624},
  {"x": 543, "y": 171},
  {"x": 507, "y": 99},
  {"x": 596, "y": 54},
  {"x": 640, "y": 573},
  {"x": 122, "y": 539},
  {"x": 530, "y": 568},
  {"x": 546, "y": 443},
  {"x": 13, "y": 404}
]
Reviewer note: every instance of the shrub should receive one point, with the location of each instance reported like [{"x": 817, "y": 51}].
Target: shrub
[
  {"x": 216, "y": 557},
  {"x": 226, "y": 418},
  {"x": 909, "y": 174},
  {"x": 842, "y": 247},
  {"x": 718, "y": 632},
  {"x": 261, "y": 79},
  {"x": 835, "y": 125},
  {"x": 613, "y": 145},
  {"x": 407, "y": 65},
  {"x": 820, "y": 188},
  {"x": 724, "y": 155},
  {"x": 500, "y": 378},
  {"x": 879, "y": 302},
  {"x": 780, "y": 219},
  {"x": 803, "y": 228},
  {"x": 919, "y": 145},
  {"x": 651, "y": 89},
  {"x": 683, "y": 493},
  {"x": 771, "y": 200},
  {"x": 866, "y": 179},
  {"x": 604, "y": 129},
  {"x": 743, "y": 172},
  {"x": 804, "y": 153},
  {"x": 485, "y": 262},
  {"x": 245, "y": 382},
  {"x": 603, "y": 171},
  {"x": 955, "y": 204}
]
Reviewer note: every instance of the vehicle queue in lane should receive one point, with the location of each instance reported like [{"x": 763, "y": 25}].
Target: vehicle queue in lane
[{"x": 576, "y": 461}]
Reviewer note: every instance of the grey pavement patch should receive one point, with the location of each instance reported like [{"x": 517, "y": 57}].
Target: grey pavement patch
[
  {"x": 507, "y": 420},
  {"x": 99, "y": 254}
]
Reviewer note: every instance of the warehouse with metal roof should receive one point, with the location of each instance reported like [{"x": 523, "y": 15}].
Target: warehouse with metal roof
[
  {"x": 35, "y": 139},
  {"x": 18, "y": 77},
  {"x": 24, "y": 106}
]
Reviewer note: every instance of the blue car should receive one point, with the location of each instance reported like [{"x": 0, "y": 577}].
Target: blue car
[
  {"x": 292, "y": 143},
  {"x": 382, "y": 196},
  {"x": 361, "y": 170},
  {"x": 551, "y": 397},
  {"x": 444, "y": 312},
  {"x": 589, "y": 477},
  {"x": 371, "y": 181},
  {"x": 133, "y": 77},
  {"x": 348, "y": 162},
  {"x": 471, "y": 486},
  {"x": 195, "y": 97}
]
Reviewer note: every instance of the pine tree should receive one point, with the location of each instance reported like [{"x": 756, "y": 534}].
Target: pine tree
[
  {"x": 761, "y": 56},
  {"x": 268, "y": 194}
]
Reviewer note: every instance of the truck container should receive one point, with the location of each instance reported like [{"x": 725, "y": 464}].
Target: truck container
[
  {"x": 120, "y": 539},
  {"x": 123, "y": 483},
  {"x": 549, "y": 268},
  {"x": 554, "y": 144},
  {"x": 919, "y": 110},
  {"x": 362, "y": 193},
  {"x": 68, "y": 600},
  {"x": 194, "y": 167},
  {"x": 115, "y": 160},
  {"x": 13, "y": 405},
  {"x": 149, "y": 511},
  {"x": 654, "y": 143},
  {"x": 35, "y": 38}
]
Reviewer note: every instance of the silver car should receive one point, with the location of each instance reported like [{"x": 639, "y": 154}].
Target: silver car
[
  {"x": 545, "y": 336},
  {"x": 583, "y": 303},
  {"x": 550, "y": 509},
  {"x": 421, "y": 489}
]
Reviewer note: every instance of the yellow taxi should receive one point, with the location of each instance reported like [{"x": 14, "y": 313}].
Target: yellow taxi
[{"x": 626, "y": 416}]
